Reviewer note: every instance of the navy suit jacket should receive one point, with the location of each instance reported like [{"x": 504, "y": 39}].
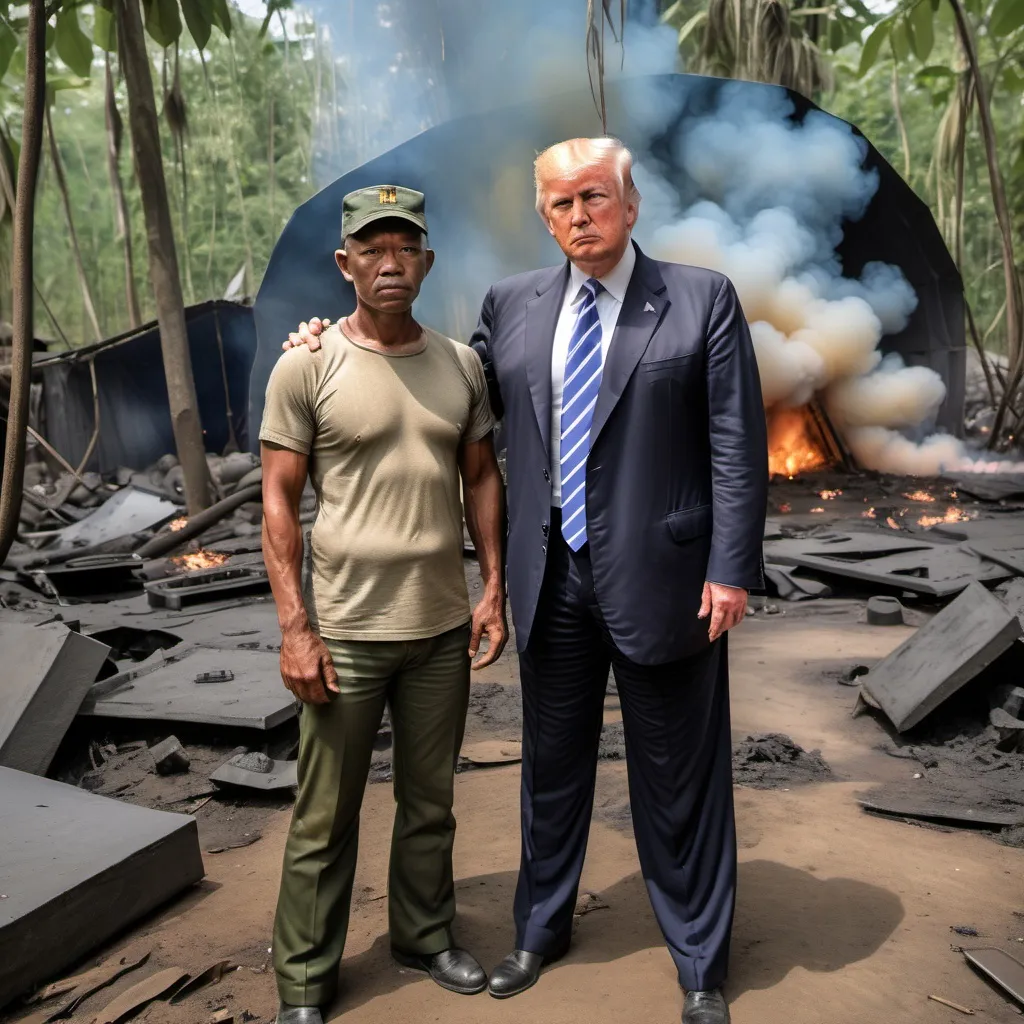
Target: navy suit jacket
[{"x": 677, "y": 476}]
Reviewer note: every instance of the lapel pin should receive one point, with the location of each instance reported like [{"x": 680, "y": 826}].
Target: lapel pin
[{"x": 648, "y": 308}]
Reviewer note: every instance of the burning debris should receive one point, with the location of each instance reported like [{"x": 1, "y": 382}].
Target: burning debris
[{"x": 200, "y": 559}]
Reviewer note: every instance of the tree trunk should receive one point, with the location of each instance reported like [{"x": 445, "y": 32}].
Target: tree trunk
[
  {"x": 21, "y": 276},
  {"x": 1014, "y": 346},
  {"x": 76, "y": 249},
  {"x": 163, "y": 260},
  {"x": 124, "y": 228}
]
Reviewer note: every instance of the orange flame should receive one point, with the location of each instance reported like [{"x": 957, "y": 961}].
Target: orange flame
[
  {"x": 199, "y": 560},
  {"x": 829, "y": 495},
  {"x": 891, "y": 523},
  {"x": 790, "y": 447},
  {"x": 919, "y": 496},
  {"x": 953, "y": 515},
  {"x": 177, "y": 524},
  {"x": 869, "y": 513}
]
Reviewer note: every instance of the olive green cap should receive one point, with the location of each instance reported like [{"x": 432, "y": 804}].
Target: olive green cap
[{"x": 366, "y": 205}]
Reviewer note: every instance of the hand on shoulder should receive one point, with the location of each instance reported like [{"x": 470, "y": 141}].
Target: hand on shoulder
[{"x": 308, "y": 334}]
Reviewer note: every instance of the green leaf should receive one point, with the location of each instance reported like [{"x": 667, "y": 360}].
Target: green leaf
[
  {"x": 900, "y": 39},
  {"x": 221, "y": 16},
  {"x": 674, "y": 15},
  {"x": 1012, "y": 81},
  {"x": 687, "y": 30},
  {"x": 74, "y": 47},
  {"x": 199, "y": 18},
  {"x": 836, "y": 35},
  {"x": 163, "y": 22},
  {"x": 934, "y": 71},
  {"x": 921, "y": 18},
  {"x": 104, "y": 31},
  {"x": 50, "y": 36},
  {"x": 872, "y": 46},
  {"x": 8, "y": 44},
  {"x": 58, "y": 83},
  {"x": 1007, "y": 17}
]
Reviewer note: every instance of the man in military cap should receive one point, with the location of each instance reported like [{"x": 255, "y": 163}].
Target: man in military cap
[{"x": 385, "y": 418}]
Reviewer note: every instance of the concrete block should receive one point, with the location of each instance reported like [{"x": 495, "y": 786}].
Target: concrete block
[
  {"x": 939, "y": 570},
  {"x": 259, "y": 773},
  {"x": 255, "y": 698},
  {"x": 45, "y": 675},
  {"x": 169, "y": 757},
  {"x": 884, "y": 611},
  {"x": 78, "y": 869},
  {"x": 942, "y": 656}
]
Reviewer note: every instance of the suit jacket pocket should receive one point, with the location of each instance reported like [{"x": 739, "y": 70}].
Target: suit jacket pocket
[
  {"x": 687, "y": 523},
  {"x": 660, "y": 367}
]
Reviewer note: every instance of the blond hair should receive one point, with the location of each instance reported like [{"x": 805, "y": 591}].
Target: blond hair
[{"x": 574, "y": 154}]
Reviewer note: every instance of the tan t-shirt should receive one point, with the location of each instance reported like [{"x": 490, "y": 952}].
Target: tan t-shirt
[{"x": 382, "y": 433}]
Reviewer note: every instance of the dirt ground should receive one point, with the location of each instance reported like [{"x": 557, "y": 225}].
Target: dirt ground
[{"x": 843, "y": 918}]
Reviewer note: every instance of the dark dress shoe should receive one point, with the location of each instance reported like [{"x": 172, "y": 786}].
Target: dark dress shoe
[
  {"x": 520, "y": 970},
  {"x": 453, "y": 969},
  {"x": 288, "y": 1014},
  {"x": 705, "y": 1008},
  {"x": 516, "y": 973}
]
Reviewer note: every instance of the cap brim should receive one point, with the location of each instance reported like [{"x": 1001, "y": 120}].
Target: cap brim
[{"x": 388, "y": 214}]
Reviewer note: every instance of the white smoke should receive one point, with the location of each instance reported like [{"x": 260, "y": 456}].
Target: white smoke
[
  {"x": 774, "y": 194},
  {"x": 742, "y": 189}
]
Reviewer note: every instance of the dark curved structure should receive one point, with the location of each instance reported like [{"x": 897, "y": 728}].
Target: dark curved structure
[{"x": 476, "y": 172}]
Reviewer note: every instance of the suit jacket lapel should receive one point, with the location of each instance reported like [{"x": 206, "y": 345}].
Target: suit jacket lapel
[
  {"x": 541, "y": 319},
  {"x": 642, "y": 309}
]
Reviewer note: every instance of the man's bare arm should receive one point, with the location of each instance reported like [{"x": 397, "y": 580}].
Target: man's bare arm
[
  {"x": 483, "y": 497},
  {"x": 306, "y": 665}
]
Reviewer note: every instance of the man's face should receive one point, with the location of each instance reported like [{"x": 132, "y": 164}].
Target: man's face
[
  {"x": 386, "y": 264},
  {"x": 587, "y": 212}
]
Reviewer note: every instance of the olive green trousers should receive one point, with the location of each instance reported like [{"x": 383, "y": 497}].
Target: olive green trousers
[{"x": 425, "y": 684}]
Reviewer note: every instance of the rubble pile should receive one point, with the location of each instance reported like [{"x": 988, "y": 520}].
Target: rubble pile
[{"x": 774, "y": 761}]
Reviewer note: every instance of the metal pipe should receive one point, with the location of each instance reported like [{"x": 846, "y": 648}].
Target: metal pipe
[{"x": 201, "y": 521}]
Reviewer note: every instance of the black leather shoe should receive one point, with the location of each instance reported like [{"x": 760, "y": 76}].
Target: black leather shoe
[
  {"x": 520, "y": 971},
  {"x": 453, "y": 969},
  {"x": 705, "y": 1008},
  {"x": 289, "y": 1014}
]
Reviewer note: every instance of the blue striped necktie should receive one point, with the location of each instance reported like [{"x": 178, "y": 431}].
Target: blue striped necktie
[{"x": 583, "y": 366}]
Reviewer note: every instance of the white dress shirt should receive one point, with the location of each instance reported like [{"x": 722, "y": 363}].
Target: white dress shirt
[{"x": 609, "y": 304}]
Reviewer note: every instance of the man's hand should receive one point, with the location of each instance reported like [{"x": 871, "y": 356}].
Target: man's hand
[
  {"x": 307, "y": 668},
  {"x": 489, "y": 619},
  {"x": 727, "y": 607},
  {"x": 308, "y": 334}
]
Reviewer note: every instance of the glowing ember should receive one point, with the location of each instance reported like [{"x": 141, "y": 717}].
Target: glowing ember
[
  {"x": 829, "y": 495},
  {"x": 199, "y": 560},
  {"x": 919, "y": 496},
  {"x": 790, "y": 448},
  {"x": 891, "y": 523},
  {"x": 785, "y": 507},
  {"x": 953, "y": 515},
  {"x": 177, "y": 524},
  {"x": 817, "y": 510},
  {"x": 869, "y": 513}
]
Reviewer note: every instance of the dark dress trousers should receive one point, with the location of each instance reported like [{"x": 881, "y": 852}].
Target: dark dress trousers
[{"x": 676, "y": 492}]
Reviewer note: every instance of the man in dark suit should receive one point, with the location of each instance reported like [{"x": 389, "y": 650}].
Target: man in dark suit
[{"x": 637, "y": 487}]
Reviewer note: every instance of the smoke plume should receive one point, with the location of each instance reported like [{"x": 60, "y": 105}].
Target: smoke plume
[{"x": 742, "y": 188}]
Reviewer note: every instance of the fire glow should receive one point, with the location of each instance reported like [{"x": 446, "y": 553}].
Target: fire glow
[
  {"x": 919, "y": 496},
  {"x": 953, "y": 515},
  {"x": 200, "y": 559},
  {"x": 177, "y": 524},
  {"x": 791, "y": 449}
]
